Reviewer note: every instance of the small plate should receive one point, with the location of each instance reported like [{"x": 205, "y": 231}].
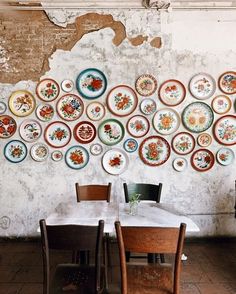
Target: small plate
[
  {"x": 30, "y": 130},
  {"x": 96, "y": 149},
  {"x": 180, "y": 164},
  {"x": 3, "y": 107},
  {"x": 57, "y": 134},
  {"x": 172, "y": 92},
  {"x": 57, "y": 155},
  {"x": 202, "y": 160},
  {"x": 148, "y": 106},
  {"x": 39, "y": 152},
  {"x": 47, "y": 90},
  {"x": 138, "y": 126},
  {"x": 204, "y": 140},
  {"x": 115, "y": 161},
  {"x": 183, "y": 143},
  {"x": 45, "y": 112},
  {"x": 225, "y": 156},
  {"x": 166, "y": 121},
  {"x": 22, "y": 103},
  {"x": 15, "y": 151},
  {"x": 67, "y": 86},
  {"x": 224, "y": 130},
  {"x": 84, "y": 132},
  {"x": 95, "y": 111},
  {"x": 70, "y": 107},
  {"x": 77, "y": 157},
  {"x": 130, "y": 145},
  {"x": 202, "y": 86},
  {"x": 7, "y": 126},
  {"x": 227, "y": 82},
  {"x": 111, "y": 132},
  {"x": 146, "y": 85},
  {"x": 221, "y": 104}
]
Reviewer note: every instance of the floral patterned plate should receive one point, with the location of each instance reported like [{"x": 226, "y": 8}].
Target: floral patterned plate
[
  {"x": 91, "y": 83},
  {"x": 67, "y": 86},
  {"x": 138, "y": 126},
  {"x": 204, "y": 140},
  {"x": 96, "y": 149},
  {"x": 77, "y": 157},
  {"x": 30, "y": 130},
  {"x": 183, "y": 143},
  {"x": 22, "y": 103},
  {"x": 154, "y": 151},
  {"x": 95, "y": 111},
  {"x": 148, "y": 106},
  {"x": 7, "y": 126},
  {"x": 130, "y": 145},
  {"x": 221, "y": 104},
  {"x": 84, "y": 132},
  {"x": 172, "y": 92},
  {"x": 202, "y": 86},
  {"x": 57, "y": 134},
  {"x": 70, "y": 107},
  {"x": 146, "y": 85},
  {"x": 57, "y": 155},
  {"x": 197, "y": 117},
  {"x": 225, "y": 156},
  {"x": 224, "y": 130},
  {"x": 202, "y": 160},
  {"x": 47, "y": 90},
  {"x": 166, "y": 121},
  {"x": 122, "y": 100},
  {"x": 15, "y": 151},
  {"x": 111, "y": 131},
  {"x": 39, "y": 152},
  {"x": 45, "y": 112},
  {"x": 115, "y": 161},
  {"x": 180, "y": 164},
  {"x": 3, "y": 107},
  {"x": 227, "y": 82}
]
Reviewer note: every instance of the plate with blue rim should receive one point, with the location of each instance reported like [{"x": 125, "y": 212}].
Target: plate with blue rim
[{"x": 15, "y": 151}]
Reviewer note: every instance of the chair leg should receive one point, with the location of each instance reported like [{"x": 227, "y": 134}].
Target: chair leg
[
  {"x": 162, "y": 257},
  {"x": 127, "y": 256},
  {"x": 105, "y": 257},
  {"x": 151, "y": 258}
]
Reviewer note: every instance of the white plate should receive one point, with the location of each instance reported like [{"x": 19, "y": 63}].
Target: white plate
[
  {"x": 30, "y": 130},
  {"x": 115, "y": 161},
  {"x": 180, "y": 164},
  {"x": 39, "y": 152},
  {"x": 225, "y": 156},
  {"x": 67, "y": 86}
]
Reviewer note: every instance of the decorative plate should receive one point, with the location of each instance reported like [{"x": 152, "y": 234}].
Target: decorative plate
[
  {"x": 180, "y": 164},
  {"x": 138, "y": 126},
  {"x": 202, "y": 160},
  {"x": 3, "y": 107},
  {"x": 70, "y": 107},
  {"x": 57, "y": 134},
  {"x": 95, "y": 111},
  {"x": 22, "y": 103},
  {"x": 130, "y": 145},
  {"x": 7, "y": 126},
  {"x": 30, "y": 130},
  {"x": 172, "y": 92},
  {"x": 115, "y": 161},
  {"x": 225, "y": 156},
  {"x": 45, "y": 112},
  {"x": 197, "y": 117},
  {"x": 67, "y": 86},
  {"x": 202, "y": 86},
  {"x": 148, "y": 106},
  {"x": 154, "y": 151},
  {"x": 96, "y": 149},
  {"x": 91, "y": 83},
  {"x": 204, "y": 140},
  {"x": 84, "y": 132},
  {"x": 166, "y": 121},
  {"x": 183, "y": 143},
  {"x": 146, "y": 85},
  {"x": 221, "y": 104},
  {"x": 57, "y": 155},
  {"x": 227, "y": 82},
  {"x": 77, "y": 157},
  {"x": 15, "y": 151},
  {"x": 111, "y": 131},
  {"x": 39, "y": 152},
  {"x": 47, "y": 90},
  {"x": 122, "y": 100},
  {"x": 224, "y": 130}
]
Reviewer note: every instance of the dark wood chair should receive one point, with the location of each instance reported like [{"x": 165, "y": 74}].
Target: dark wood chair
[
  {"x": 93, "y": 192},
  {"x": 150, "y": 278},
  {"x": 69, "y": 277}
]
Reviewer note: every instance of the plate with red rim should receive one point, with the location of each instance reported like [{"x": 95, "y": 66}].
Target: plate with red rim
[
  {"x": 146, "y": 85},
  {"x": 30, "y": 130},
  {"x": 180, "y": 164},
  {"x": 8, "y": 126},
  {"x": 166, "y": 121},
  {"x": 224, "y": 130},
  {"x": 56, "y": 155},
  {"x": 138, "y": 126},
  {"x": 22, "y": 103},
  {"x": 47, "y": 90},
  {"x": 202, "y": 160},
  {"x": 45, "y": 112},
  {"x": 84, "y": 132},
  {"x": 115, "y": 161},
  {"x": 15, "y": 151},
  {"x": 221, "y": 104},
  {"x": 70, "y": 107},
  {"x": 67, "y": 85},
  {"x": 57, "y": 134},
  {"x": 183, "y": 143},
  {"x": 77, "y": 157},
  {"x": 39, "y": 152},
  {"x": 202, "y": 86},
  {"x": 172, "y": 92},
  {"x": 227, "y": 82},
  {"x": 225, "y": 156},
  {"x": 204, "y": 139},
  {"x": 95, "y": 111}
]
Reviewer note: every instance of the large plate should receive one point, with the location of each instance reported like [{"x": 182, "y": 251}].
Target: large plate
[
  {"x": 91, "y": 83},
  {"x": 225, "y": 130},
  {"x": 30, "y": 130},
  {"x": 202, "y": 86},
  {"x": 225, "y": 156},
  {"x": 77, "y": 157},
  {"x": 227, "y": 82},
  {"x": 154, "y": 151},
  {"x": 47, "y": 90},
  {"x": 146, "y": 85},
  {"x": 7, "y": 126},
  {"x": 57, "y": 134},
  {"x": 197, "y": 117},
  {"x": 202, "y": 160},
  {"x": 39, "y": 152},
  {"x": 45, "y": 112},
  {"x": 111, "y": 131},
  {"x": 15, "y": 151},
  {"x": 183, "y": 143},
  {"x": 221, "y": 104},
  {"x": 70, "y": 107},
  {"x": 22, "y": 103},
  {"x": 166, "y": 121},
  {"x": 84, "y": 132},
  {"x": 138, "y": 126},
  {"x": 95, "y": 111},
  {"x": 115, "y": 161},
  {"x": 172, "y": 92}
]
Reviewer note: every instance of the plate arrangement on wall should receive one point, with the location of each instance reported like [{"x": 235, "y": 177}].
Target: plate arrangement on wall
[
  {"x": 70, "y": 107},
  {"x": 138, "y": 126},
  {"x": 111, "y": 132},
  {"x": 146, "y": 85},
  {"x": 166, "y": 121},
  {"x": 202, "y": 160},
  {"x": 202, "y": 86},
  {"x": 77, "y": 157},
  {"x": 115, "y": 161},
  {"x": 227, "y": 82},
  {"x": 57, "y": 134},
  {"x": 30, "y": 130},
  {"x": 15, "y": 151},
  {"x": 172, "y": 92},
  {"x": 22, "y": 103},
  {"x": 47, "y": 90}
]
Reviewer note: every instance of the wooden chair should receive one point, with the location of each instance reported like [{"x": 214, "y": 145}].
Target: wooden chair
[
  {"x": 72, "y": 278},
  {"x": 150, "y": 278},
  {"x": 93, "y": 192}
]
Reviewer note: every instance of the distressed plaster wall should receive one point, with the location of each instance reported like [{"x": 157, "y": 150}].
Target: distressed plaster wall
[{"x": 190, "y": 42}]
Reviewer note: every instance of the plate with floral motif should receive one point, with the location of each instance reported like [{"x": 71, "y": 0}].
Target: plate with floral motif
[
  {"x": 84, "y": 132},
  {"x": 95, "y": 111},
  {"x": 70, "y": 107},
  {"x": 77, "y": 157},
  {"x": 227, "y": 82},
  {"x": 183, "y": 143},
  {"x": 47, "y": 90},
  {"x": 15, "y": 151},
  {"x": 39, "y": 152},
  {"x": 30, "y": 130},
  {"x": 224, "y": 130},
  {"x": 166, "y": 121},
  {"x": 154, "y": 151},
  {"x": 45, "y": 112},
  {"x": 202, "y": 86},
  {"x": 22, "y": 103},
  {"x": 96, "y": 149},
  {"x": 3, "y": 107},
  {"x": 197, "y": 117},
  {"x": 57, "y": 134},
  {"x": 111, "y": 131},
  {"x": 7, "y": 126},
  {"x": 146, "y": 85},
  {"x": 67, "y": 86},
  {"x": 148, "y": 106},
  {"x": 138, "y": 126},
  {"x": 115, "y": 161},
  {"x": 202, "y": 160},
  {"x": 91, "y": 83},
  {"x": 221, "y": 104},
  {"x": 130, "y": 145},
  {"x": 225, "y": 156},
  {"x": 57, "y": 155},
  {"x": 180, "y": 164},
  {"x": 204, "y": 140},
  {"x": 172, "y": 92}
]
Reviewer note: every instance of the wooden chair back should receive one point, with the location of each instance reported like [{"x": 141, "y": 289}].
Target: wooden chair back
[{"x": 93, "y": 192}]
